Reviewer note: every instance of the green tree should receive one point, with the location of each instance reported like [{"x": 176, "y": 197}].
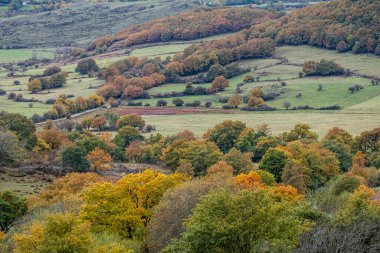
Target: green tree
[
  {"x": 12, "y": 207},
  {"x": 126, "y": 135},
  {"x": 87, "y": 66},
  {"x": 76, "y": 158},
  {"x": 274, "y": 162},
  {"x": 342, "y": 152},
  {"x": 300, "y": 132},
  {"x": 132, "y": 120},
  {"x": 12, "y": 151},
  {"x": 245, "y": 222},
  {"x": 22, "y": 126},
  {"x": 225, "y": 134}
]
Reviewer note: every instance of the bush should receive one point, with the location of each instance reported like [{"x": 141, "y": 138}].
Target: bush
[
  {"x": 208, "y": 104},
  {"x": 16, "y": 82},
  {"x": 162, "y": 102},
  {"x": 132, "y": 103},
  {"x": 178, "y": 102},
  {"x": 87, "y": 66},
  {"x": 195, "y": 103},
  {"x": 51, "y": 71},
  {"x": 3, "y": 92},
  {"x": 331, "y": 107}
]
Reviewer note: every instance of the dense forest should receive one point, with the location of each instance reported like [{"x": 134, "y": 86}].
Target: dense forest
[
  {"x": 343, "y": 25},
  {"x": 237, "y": 189}
]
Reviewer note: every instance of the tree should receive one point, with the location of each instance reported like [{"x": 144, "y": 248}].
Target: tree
[
  {"x": 51, "y": 71},
  {"x": 60, "y": 233},
  {"x": 178, "y": 102},
  {"x": 12, "y": 151},
  {"x": 75, "y": 158},
  {"x": 22, "y": 126},
  {"x": 126, "y": 135},
  {"x": 86, "y": 123},
  {"x": 99, "y": 122},
  {"x": 219, "y": 84},
  {"x": 249, "y": 181},
  {"x": 66, "y": 187},
  {"x": 235, "y": 100},
  {"x": 241, "y": 162},
  {"x": 99, "y": 159},
  {"x": 87, "y": 66},
  {"x": 34, "y": 85},
  {"x": 12, "y": 207},
  {"x": 297, "y": 175},
  {"x": 225, "y": 134},
  {"x": 167, "y": 222},
  {"x": 133, "y": 120},
  {"x": 300, "y": 132},
  {"x": 221, "y": 167},
  {"x": 320, "y": 164},
  {"x": 199, "y": 153},
  {"x": 126, "y": 206},
  {"x": 133, "y": 91},
  {"x": 244, "y": 221},
  {"x": 342, "y": 152},
  {"x": 287, "y": 105},
  {"x": 215, "y": 71},
  {"x": 274, "y": 162}
]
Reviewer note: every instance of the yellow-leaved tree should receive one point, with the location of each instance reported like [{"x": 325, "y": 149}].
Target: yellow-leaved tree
[
  {"x": 125, "y": 207},
  {"x": 99, "y": 159}
]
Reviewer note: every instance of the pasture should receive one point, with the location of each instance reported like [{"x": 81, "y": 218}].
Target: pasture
[{"x": 16, "y": 55}]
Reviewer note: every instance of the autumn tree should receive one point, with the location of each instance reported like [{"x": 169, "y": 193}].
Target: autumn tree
[
  {"x": 34, "y": 85},
  {"x": 60, "y": 233},
  {"x": 241, "y": 162},
  {"x": 99, "y": 160},
  {"x": 300, "y": 132},
  {"x": 136, "y": 195},
  {"x": 255, "y": 98},
  {"x": 219, "y": 84},
  {"x": 235, "y": 100},
  {"x": 133, "y": 120},
  {"x": 200, "y": 154},
  {"x": 225, "y": 134},
  {"x": 176, "y": 206},
  {"x": 99, "y": 122},
  {"x": 226, "y": 221}
]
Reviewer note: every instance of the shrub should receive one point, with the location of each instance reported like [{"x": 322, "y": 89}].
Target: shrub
[
  {"x": 51, "y": 71},
  {"x": 87, "y": 66},
  {"x": 3, "y": 92},
  {"x": 178, "y": 102},
  {"x": 195, "y": 103},
  {"x": 208, "y": 104},
  {"x": 162, "y": 102}
]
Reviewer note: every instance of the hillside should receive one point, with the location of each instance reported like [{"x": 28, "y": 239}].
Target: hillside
[
  {"x": 344, "y": 25},
  {"x": 81, "y": 22}
]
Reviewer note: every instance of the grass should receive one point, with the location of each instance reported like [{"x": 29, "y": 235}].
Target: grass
[
  {"x": 15, "y": 55},
  {"x": 23, "y": 183},
  {"x": 279, "y": 122},
  {"x": 360, "y": 63}
]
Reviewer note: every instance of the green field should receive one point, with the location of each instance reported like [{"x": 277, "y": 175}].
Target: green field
[
  {"x": 360, "y": 63},
  {"x": 279, "y": 122},
  {"x": 15, "y": 55}
]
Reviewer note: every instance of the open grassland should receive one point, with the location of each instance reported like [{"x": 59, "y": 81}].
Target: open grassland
[
  {"x": 16, "y": 55},
  {"x": 83, "y": 21},
  {"x": 279, "y": 122},
  {"x": 359, "y": 63},
  {"x": 25, "y": 183}
]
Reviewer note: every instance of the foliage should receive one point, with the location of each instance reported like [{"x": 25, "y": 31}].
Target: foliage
[
  {"x": 60, "y": 233},
  {"x": 132, "y": 120},
  {"x": 244, "y": 221},
  {"x": 12, "y": 207},
  {"x": 12, "y": 151},
  {"x": 22, "y": 126},
  {"x": 322, "y": 68},
  {"x": 87, "y": 66},
  {"x": 300, "y": 132},
  {"x": 199, "y": 153},
  {"x": 225, "y": 134},
  {"x": 274, "y": 162},
  {"x": 76, "y": 158},
  {"x": 99, "y": 159},
  {"x": 176, "y": 206},
  {"x": 126, "y": 206}
]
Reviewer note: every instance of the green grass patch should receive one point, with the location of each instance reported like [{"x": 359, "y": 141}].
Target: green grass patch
[{"x": 15, "y": 55}]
